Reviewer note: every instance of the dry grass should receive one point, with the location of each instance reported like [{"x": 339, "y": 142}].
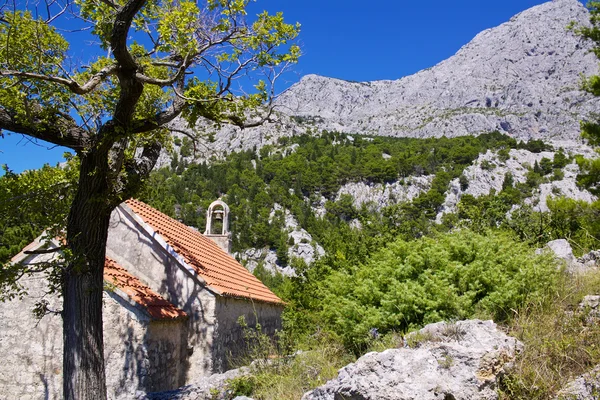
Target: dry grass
[
  {"x": 286, "y": 373},
  {"x": 561, "y": 342},
  {"x": 307, "y": 370}
]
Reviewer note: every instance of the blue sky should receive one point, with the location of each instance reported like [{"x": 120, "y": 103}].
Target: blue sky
[{"x": 348, "y": 39}]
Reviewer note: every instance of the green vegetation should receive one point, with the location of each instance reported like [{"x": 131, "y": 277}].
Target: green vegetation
[
  {"x": 399, "y": 270},
  {"x": 561, "y": 340},
  {"x": 450, "y": 276},
  {"x": 30, "y": 203},
  {"x": 306, "y": 168}
]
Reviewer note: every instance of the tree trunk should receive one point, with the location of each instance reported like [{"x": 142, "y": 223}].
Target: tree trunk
[{"x": 87, "y": 229}]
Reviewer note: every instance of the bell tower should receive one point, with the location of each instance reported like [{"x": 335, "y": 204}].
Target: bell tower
[{"x": 217, "y": 225}]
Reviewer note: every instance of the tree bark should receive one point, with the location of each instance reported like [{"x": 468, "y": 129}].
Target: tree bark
[{"x": 87, "y": 231}]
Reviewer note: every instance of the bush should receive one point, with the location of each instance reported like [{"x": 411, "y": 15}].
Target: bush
[{"x": 449, "y": 276}]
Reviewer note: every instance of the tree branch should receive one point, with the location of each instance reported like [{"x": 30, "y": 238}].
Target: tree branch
[
  {"x": 118, "y": 38},
  {"x": 73, "y": 86},
  {"x": 58, "y": 129},
  {"x": 163, "y": 117},
  {"x": 136, "y": 171},
  {"x": 45, "y": 251}
]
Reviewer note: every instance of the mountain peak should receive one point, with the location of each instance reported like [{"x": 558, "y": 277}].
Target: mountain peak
[{"x": 521, "y": 78}]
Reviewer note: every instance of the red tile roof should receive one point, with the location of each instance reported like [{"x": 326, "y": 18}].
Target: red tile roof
[
  {"x": 155, "y": 305},
  {"x": 220, "y": 271}
]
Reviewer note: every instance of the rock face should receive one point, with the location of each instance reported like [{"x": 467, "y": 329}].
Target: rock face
[
  {"x": 301, "y": 245},
  {"x": 521, "y": 78},
  {"x": 380, "y": 195},
  {"x": 460, "y": 361},
  {"x": 488, "y": 172}
]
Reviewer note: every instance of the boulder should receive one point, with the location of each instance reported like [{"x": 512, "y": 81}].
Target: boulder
[
  {"x": 562, "y": 249},
  {"x": 591, "y": 259},
  {"x": 212, "y": 387},
  {"x": 590, "y": 306},
  {"x": 459, "y": 361}
]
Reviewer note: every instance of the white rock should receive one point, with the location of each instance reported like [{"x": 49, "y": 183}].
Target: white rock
[
  {"x": 380, "y": 195},
  {"x": 584, "y": 387},
  {"x": 562, "y": 249},
  {"x": 462, "y": 361}
]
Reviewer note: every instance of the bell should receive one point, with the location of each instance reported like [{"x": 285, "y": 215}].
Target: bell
[{"x": 219, "y": 215}]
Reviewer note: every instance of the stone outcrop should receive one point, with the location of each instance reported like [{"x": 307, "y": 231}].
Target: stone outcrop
[
  {"x": 562, "y": 250},
  {"x": 214, "y": 387},
  {"x": 460, "y": 361},
  {"x": 381, "y": 195},
  {"x": 488, "y": 172},
  {"x": 584, "y": 387},
  {"x": 301, "y": 245}
]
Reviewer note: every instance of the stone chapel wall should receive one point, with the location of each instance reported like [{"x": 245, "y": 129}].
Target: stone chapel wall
[
  {"x": 139, "y": 253},
  {"x": 229, "y": 338},
  {"x": 140, "y": 354}
]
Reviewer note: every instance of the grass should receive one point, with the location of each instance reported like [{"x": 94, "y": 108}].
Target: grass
[
  {"x": 290, "y": 379},
  {"x": 561, "y": 341},
  {"x": 287, "y": 368}
]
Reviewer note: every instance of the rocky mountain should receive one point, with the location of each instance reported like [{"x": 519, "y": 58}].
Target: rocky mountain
[{"x": 521, "y": 78}]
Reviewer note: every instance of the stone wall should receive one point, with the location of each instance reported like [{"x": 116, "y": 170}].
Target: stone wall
[
  {"x": 31, "y": 350},
  {"x": 140, "y": 354},
  {"x": 229, "y": 342},
  {"x": 143, "y": 255}
]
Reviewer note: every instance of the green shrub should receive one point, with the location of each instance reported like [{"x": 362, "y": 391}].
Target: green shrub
[{"x": 450, "y": 276}]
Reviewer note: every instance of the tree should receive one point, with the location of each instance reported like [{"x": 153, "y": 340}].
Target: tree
[
  {"x": 159, "y": 60},
  {"x": 590, "y": 129}
]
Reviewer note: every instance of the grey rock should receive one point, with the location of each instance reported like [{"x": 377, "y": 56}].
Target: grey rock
[
  {"x": 521, "y": 78},
  {"x": 591, "y": 301},
  {"x": 562, "y": 250},
  {"x": 211, "y": 387},
  {"x": 377, "y": 196},
  {"x": 590, "y": 306},
  {"x": 301, "y": 245},
  {"x": 457, "y": 361},
  {"x": 590, "y": 259},
  {"x": 488, "y": 172},
  {"x": 584, "y": 387}
]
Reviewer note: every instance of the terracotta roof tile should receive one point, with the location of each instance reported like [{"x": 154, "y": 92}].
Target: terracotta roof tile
[
  {"x": 157, "y": 307},
  {"x": 220, "y": 271}
]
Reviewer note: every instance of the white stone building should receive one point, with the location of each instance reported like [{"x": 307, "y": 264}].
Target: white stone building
[{"x": 170, "y": 313}]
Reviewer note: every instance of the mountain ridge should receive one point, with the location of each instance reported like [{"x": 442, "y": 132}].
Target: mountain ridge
[
  {"x": 521, "y": 78},
  {"x": 507, "y": 78}
]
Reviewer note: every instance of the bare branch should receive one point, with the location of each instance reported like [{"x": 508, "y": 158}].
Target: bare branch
[
  {"x": 75, "y": 87},
  {"x": 45, "y": 251}
]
